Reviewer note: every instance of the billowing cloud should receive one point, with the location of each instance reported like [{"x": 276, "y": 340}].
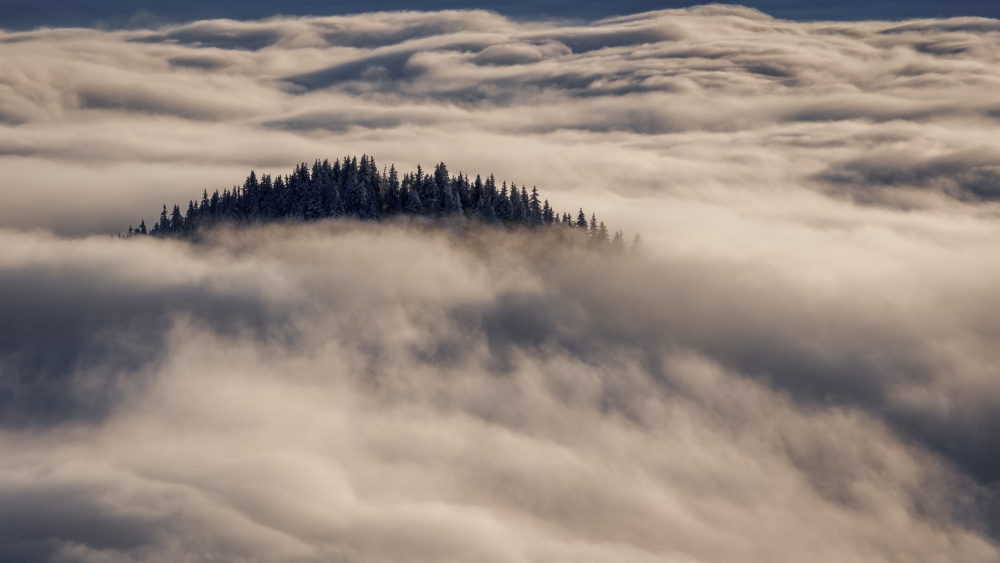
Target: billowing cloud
[
  {"x": 786, "y": 105},
  {"x": 802, "y": 366},
  {"x": 503, "y": 403}
]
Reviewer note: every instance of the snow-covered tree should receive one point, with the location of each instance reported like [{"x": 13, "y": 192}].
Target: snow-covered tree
[{"x": 356, "y": 188}]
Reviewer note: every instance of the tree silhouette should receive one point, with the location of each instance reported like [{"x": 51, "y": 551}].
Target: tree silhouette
[{"x": 353, "y": 187}]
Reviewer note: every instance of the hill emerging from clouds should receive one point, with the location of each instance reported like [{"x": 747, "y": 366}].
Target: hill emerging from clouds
[
  {"x": 802, "y": 365},
  {"x": 357, "y": 190}
]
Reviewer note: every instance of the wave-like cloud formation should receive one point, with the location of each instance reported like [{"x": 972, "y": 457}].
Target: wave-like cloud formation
[
  {"x": 684, "y": 103},
  {"x": 801, "y": 367},
  {"x": 330, "y": 392}
]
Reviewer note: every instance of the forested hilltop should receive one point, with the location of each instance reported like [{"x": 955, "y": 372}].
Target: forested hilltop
[{"x": 356, "y": 189}]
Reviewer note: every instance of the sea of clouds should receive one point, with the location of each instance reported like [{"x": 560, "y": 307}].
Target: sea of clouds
[{"x": 801, "y": 366}]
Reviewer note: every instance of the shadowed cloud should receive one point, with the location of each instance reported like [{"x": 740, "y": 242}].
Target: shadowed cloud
[
  {"x": 501, "y": 387},
  {"x": 972, "y": 176},
  {"x": 806, "y": 351}
]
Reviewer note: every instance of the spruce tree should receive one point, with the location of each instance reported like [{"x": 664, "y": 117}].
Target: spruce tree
[
  {"x": 487, "y": 211},
  {"x": 413, "y": 204},
  {"x": 476, "y": 195},
  {"x": 429, "y": 194},
  {"x": 276, "y": 207},
  {"x": 176, "y": 221},
  {"x": 602, "y": 234},
  {"x": 455, "y": 202},
  {"x": 464, "y": 193},
  {"x": 618, "y": 243},
  {"x": 535, "y": 207},
  {"x": 312, "y": 196},
  {"x": 334, "y": 195},
  {"x": 354, "y": 192},
  {"x": 250, "y": 194},
  {"x": 503, "y": 207},
  {"x": 262, "y": 208},
  {"x": 637, "y": 248},
  {"x": 164, "y": 225},
  {"x": 371, "y": 204},
  {"x": 190, "y": 217},
  {"x": 519, "y": 212},
  {"x": 297, "y": 188},
  {"x": 372, "y": 185},
  {"x": 441, "y": 177},
  {"x": 393, "y": 199}
]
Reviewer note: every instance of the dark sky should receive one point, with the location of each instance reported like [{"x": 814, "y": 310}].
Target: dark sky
[{"x": 26, "y": 14}]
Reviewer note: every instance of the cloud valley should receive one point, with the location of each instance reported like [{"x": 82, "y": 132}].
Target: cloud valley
[{"x": 802, "y": 366}]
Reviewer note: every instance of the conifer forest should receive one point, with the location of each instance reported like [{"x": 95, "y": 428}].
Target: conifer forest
[{"x": 355, "y": 188}]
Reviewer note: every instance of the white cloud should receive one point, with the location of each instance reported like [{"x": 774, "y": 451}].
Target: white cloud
[
  {"x": 342, "y": 414},
  {"x": 803, "y": 369}
]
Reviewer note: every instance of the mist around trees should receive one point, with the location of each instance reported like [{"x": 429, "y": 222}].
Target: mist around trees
[{"x": 355, "y": 188}]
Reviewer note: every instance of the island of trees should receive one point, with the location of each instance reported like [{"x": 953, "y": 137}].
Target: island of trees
[{"x": 355, "y": 188}]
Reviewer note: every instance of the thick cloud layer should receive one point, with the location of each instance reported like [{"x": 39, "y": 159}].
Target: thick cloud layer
[
  {"x": 801, "y": 367},
  {"x": 405, "y": 395},
  {"x": 711, "y": 103}
]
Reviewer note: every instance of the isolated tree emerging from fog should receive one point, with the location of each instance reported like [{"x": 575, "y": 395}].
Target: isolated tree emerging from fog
[{"x": 355, "y": 188}]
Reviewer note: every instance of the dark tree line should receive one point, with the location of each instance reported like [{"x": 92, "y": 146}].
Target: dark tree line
[{"x": 356, "y": 189}]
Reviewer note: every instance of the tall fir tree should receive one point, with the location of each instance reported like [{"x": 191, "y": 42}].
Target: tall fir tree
[
  {"x": 176, "y": 221},
  {"x": 464, "y": 193},
  {"x": 164, "y": 225},
  {"x": 190, "y": 218},
  {"x": 393, "y": 197},
  {"x": 519, "y": 212},
  {"x": 503, "y": 207},
  {"x": 312, "y": 198},
  {"x": 476, "y": 195},
  {"x": 413, "y": 204},
  {"x": 535, "y": 207}
]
